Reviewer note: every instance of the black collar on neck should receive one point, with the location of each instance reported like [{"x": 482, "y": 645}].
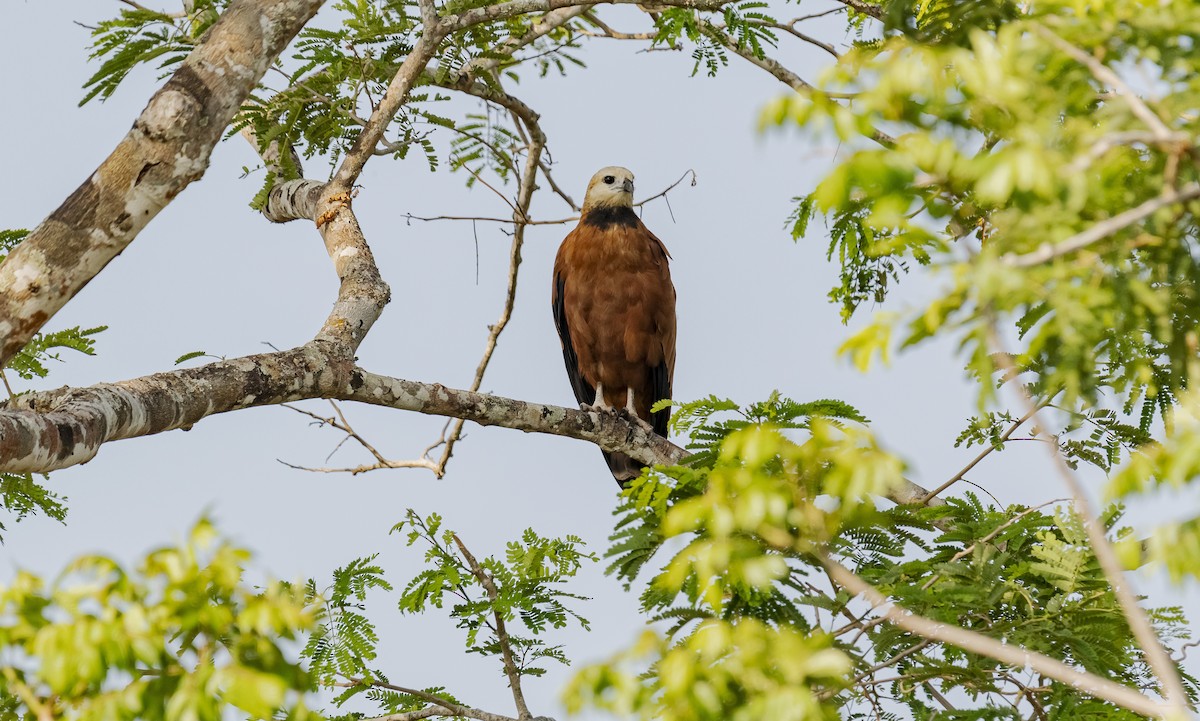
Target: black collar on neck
[{"x": 607, "y": 216}]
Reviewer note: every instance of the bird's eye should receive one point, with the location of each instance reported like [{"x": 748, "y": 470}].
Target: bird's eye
[{"x": 608, "y": 179}]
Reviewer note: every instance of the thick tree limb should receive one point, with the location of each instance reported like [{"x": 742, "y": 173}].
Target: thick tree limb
[
  {"x": 43, "y": 432},
  {"x": 167, "y": 149}
]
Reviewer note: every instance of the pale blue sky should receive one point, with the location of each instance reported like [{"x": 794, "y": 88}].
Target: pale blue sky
[{"x": 209, "y": 274}]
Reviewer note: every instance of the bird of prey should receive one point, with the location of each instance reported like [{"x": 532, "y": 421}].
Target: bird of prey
[{"x": 614, "y": 306}]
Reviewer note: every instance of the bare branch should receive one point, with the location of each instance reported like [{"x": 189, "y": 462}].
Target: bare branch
[
  {"x": 790, "y": 28},
  {"x": 557, "y": 190},
  {"x": 167, "y": 149},
  {"x": 339, "y": 422},
  {"x": 1010, "y": 654},
  {"x": 813, "y": 16},
  {"x": 520, "y": 220},
  {"x": 1105, "y": 228}
]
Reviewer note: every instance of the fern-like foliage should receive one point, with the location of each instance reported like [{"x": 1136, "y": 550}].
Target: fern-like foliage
[
  {"x": 9, "y": 240},
  {"x": 508, "y": 607},
  {"x": 30, "y": 361},
  {"x": 525, "y": 591},
  {"x": 20, "y": 495},
  {"x": 138, "y": 36}
]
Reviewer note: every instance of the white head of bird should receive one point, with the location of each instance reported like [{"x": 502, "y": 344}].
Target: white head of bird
[{"x": 610, "y": 187}]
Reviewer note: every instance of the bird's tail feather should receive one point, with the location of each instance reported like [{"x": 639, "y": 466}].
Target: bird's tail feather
[{"x": 623, "y": 468}]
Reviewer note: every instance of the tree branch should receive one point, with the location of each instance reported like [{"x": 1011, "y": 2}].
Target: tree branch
[
  {"x": 167, "y": 149},
  {"x": 433, "y": 32},
  {"x": 1156, "y": 655},
  {"x": 512, "y": 8},
  {"x": 42, "y": 432},
  {"x": 510, "y": 666},
  {"x": 982, "y": 454},
  {"x": 978, "y": 643},
  {"x": 1105, "y": 74},
  {"x": 457, "y": 709},
  {"x": 1104, "y": 228},
  {"x": 520, "y": 220},
  {"x": 865, "y": 8}
]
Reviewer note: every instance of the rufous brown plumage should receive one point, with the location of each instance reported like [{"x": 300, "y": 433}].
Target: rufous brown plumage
[{"x": 614, "y": 306}]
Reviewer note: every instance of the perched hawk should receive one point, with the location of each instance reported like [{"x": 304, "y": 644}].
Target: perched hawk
[{"x": 614, "y": 307}]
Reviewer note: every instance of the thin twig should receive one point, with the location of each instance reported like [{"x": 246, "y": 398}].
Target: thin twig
[
  {"x": 510, "y": 666},
  {"x": 554, "y": 186},
  {"x": 988, "y": 538},
  {"x": 524, "y": 116},
  {"x": 975, "y": 461},
  {"x": 813, "y": 16},
  {"x": 341, "y": 424}
]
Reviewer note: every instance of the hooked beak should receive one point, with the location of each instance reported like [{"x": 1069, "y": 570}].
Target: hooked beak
[{"x": 628, "y": 186}]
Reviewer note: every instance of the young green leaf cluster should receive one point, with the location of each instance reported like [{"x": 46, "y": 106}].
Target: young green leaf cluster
[
  {"x": 746, "y": 531},
  {"x": 181, "y": 637},
  {"x": 1009, "y": 137}
]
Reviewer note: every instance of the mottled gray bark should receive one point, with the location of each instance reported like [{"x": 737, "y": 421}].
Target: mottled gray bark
[
  {"x": 47, "y": 431},
  {"x": 293, "y": 200},
  {"x": 167, "y": 148},
  {"x": 43, "y": 432}
]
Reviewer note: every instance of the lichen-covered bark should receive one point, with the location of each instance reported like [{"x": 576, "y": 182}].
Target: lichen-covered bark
[
  {"x": 362, "y": 293},
  {"x": 293, "y": 200},
  {"x": 43, "y": 432},
  {"x": 603, "y": 429},
  {"x": 167, "y": 148},
  {"x": 47, "y": 431}
]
